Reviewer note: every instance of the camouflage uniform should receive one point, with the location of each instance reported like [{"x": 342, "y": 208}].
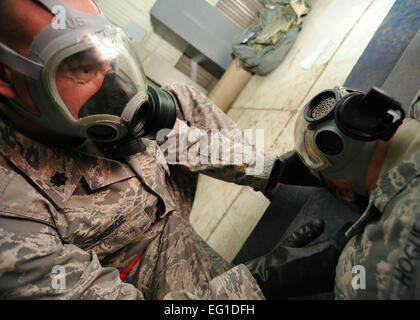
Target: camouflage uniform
[
  {"x": 386, "y": 239},
  {"x": 94, "y": 216}
]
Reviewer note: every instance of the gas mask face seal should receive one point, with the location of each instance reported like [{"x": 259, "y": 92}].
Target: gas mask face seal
[{"x": 88, "y": 81}]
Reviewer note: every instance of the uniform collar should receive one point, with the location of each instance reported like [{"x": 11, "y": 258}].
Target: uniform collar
[{"x": 54, "y": 171}]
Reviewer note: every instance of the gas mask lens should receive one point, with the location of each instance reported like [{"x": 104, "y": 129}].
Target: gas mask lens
[
  {"x": 101, "y": 75},
  {"x": 306, "y": 147}
]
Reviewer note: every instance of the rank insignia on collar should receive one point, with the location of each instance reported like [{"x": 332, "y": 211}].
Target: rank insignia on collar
[{"x": 59, "y": 179}]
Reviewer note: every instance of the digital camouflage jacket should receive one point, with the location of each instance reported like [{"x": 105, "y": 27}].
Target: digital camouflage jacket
[{"x": 72, "y": 221}]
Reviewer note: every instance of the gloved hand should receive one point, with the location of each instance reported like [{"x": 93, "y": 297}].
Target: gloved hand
[
  {"x": 289, "y": 169},
  {"x": 288, "y": 271},
  {"x": 304, "y": 235}
]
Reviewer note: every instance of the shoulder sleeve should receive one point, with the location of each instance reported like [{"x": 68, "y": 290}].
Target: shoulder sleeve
[
  {"x": 34, "y": 264},
  {"x": 206, "y": 140},
  {"x": 405, "y": 228}
]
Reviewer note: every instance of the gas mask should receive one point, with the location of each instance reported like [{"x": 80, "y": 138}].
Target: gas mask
[
  {"x": 338, "y": 130},
  {"x": 92, "y": 54}
]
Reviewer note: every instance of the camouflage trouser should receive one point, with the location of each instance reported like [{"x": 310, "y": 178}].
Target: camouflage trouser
[{"x": 177, "y": 259}]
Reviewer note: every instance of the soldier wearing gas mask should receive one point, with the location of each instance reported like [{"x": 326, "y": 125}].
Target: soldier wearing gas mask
[
  {"x": 86, "y": 196},
  {"x": 84, "y": 190},
  {"x": 360, "y": 146},
  {"x": 90, "y": 209}
]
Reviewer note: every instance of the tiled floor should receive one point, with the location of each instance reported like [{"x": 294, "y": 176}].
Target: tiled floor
[{"x": 224, "y": 214}]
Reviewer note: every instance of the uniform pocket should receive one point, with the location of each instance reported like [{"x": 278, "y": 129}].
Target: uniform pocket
[{"x": 124, "y": 229}]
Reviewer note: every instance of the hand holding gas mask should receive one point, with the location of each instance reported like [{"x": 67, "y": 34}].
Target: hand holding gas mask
[{"x": 87, "y": 81}]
